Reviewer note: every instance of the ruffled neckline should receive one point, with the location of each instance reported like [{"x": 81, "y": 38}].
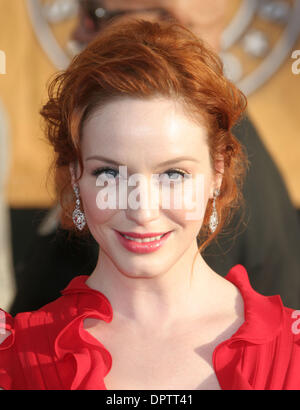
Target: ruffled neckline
[
  {"x": 258, "y": 309},
  {"x": 256, "y": 329}
]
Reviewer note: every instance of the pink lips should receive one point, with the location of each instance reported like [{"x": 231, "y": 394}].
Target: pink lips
[
  {"x": 138, "y": 247},
  {"x": 142, "y": 235}
]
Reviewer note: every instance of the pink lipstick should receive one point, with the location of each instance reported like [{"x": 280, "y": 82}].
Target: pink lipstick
[{"x": 144, "y": 242}]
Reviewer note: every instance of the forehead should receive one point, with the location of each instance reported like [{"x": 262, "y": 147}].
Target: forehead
[{"x": 133, "y": 125}]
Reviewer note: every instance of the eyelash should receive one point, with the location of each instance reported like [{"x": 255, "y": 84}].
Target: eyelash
[{"x": 99, "y": 171}]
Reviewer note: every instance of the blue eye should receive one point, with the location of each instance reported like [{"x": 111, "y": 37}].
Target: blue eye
[
  {"x": 107, "y": 170},
  {"x": 180, "y": 174},
  {"x": 113, "y": 173}
]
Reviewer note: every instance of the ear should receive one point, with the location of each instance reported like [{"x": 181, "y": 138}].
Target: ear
[{"x": 218, "y": 174}]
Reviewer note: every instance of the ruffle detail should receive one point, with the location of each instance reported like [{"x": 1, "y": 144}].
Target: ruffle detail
[
  {"x": 7, "y": 323},
  {"x": 262, "y": 353},
  {"x": 258, "y": 310},
  {"x": 91, "y": 360},
  {"x": 265, "y": 318}
]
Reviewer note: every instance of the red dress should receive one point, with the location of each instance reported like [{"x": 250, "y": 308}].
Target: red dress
[{"x": 49, "y": 349}]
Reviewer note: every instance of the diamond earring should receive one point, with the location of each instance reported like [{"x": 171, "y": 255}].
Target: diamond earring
[
  {"x": 78, "y": 216},
  {"x": 213, "y": 220}
]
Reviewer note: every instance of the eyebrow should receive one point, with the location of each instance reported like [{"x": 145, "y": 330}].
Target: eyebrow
[{"x": 170, "y": 161}]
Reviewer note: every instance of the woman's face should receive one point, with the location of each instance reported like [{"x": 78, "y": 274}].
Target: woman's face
[{"x": 141, "y": 135}]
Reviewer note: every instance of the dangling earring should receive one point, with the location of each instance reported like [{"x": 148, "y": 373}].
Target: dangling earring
[
  {"x": 78, "y": 216},
  {"x": 213, "y": 220}
]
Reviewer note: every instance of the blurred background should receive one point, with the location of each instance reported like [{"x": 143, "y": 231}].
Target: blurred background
[{"x": 39, "y": 37}]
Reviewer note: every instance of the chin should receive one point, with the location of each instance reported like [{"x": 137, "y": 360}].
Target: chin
[{"x": 144, "y": 268}]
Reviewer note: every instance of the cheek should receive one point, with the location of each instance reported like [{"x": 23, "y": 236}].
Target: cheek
[
  {"x": 188, "y": 200},
  {"x": 93, "y": 213},
  {"x": 184, "y": 203}
]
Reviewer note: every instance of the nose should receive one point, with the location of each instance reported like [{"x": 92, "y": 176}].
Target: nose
[
  {"x": 142, "y": 216},
  {"x": 143, "y": 205}
]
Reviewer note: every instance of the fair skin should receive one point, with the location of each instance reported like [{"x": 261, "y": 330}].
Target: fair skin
[
  {"x": 170, "y": 317},
  {"x": 167, "y": 323}
]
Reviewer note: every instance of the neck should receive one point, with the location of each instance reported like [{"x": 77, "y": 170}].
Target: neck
[{"x": 178, "y": 294}]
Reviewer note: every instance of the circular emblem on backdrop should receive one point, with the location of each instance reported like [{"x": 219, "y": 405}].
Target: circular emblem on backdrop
[{"x": 258, "y": 39}]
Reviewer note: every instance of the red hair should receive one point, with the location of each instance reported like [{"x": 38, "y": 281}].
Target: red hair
[{"x": 145, "y": 59}]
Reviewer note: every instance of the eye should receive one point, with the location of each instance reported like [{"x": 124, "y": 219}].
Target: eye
[
  {"x": 176, "y": 175},
  {"x": 107, "y": 170}
]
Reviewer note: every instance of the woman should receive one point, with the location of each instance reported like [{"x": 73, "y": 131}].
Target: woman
[{"x": 145, "y": 112}]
